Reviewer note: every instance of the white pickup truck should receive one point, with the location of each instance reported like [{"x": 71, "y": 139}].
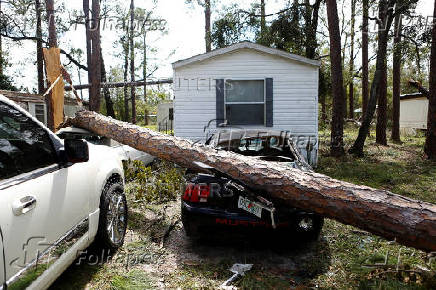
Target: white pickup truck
[{"x": 56, "y": 198}]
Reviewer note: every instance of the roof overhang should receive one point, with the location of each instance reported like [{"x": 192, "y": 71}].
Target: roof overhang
[
  {"x": 413, "y": 96},
  {"x": 246, "y": 45}
]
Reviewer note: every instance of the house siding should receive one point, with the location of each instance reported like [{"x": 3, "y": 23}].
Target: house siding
[{"x": 295, "y": 91}]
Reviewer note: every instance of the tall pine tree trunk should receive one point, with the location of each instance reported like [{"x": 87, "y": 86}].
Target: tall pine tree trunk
[
  {"x": 39, "y": 53},
  {"x": 386, "y": 17},
  {"x": 106, "y": 92},
  {"x": 312, "y": 43},
  {"x": 351, "y": 85},
  {"x": 337, "y": 127},
  {"x": 430, "y": 142},
  {"x": 365, "y": 71},
  {"x": 382, "y": 110},
  {"x": 126, "y": 47},
  {"x": 144, "y": 74},
  {"x": 52, "y": 42},
  {"x": 132, "y": 59},
  {"x": 93, "y": 50},
  {"x": 52, "y": 38},
  {"x": 396, "y": 80},
  {"x": 94, "y": 92},
  {"x": 208, "y": 36}
]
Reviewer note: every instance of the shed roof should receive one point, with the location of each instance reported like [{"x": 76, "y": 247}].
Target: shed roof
[
  {"x": 246, "y": 45},
  {"x": 22, "y": 97},
  {"x": 412, "y": 96}
]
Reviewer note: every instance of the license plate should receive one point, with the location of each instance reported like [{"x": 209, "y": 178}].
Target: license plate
[{"x": 250, "y": 206}]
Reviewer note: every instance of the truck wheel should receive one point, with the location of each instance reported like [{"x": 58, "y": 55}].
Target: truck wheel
[{"x": 113, "y": 217}]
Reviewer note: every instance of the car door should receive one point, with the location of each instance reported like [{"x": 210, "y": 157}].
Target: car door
[{"x": 40, "y": 212}]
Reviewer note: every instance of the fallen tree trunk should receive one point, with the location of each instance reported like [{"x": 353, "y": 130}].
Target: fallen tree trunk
[{"x": 409, "y": 222}]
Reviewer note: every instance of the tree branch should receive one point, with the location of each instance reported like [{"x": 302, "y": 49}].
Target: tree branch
[{"x": 34, "y": 38}]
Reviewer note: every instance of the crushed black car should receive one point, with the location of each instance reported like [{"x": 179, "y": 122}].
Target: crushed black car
[{"x": 214, "y": 202}]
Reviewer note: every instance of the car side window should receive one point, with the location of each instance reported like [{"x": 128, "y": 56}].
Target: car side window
[{"x": 24, "y": 145}]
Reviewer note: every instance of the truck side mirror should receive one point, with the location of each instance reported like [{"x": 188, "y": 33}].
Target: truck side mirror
[{"x": 76, "y": 150}]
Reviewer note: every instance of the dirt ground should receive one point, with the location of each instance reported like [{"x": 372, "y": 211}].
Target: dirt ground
[{"x": 157, "y": 249}]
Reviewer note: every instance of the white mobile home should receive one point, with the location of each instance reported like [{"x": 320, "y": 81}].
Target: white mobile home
[
  {"x": 250, "y": 86},
  {"x": 413, "y": 113}
]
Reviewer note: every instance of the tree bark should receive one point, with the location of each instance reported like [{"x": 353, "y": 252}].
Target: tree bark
[
  {"x": 351, "y": 85},
  {"x": 365, "y": 73},
  {"x": 382, "y": 110},
  {"x": 337, "y": 127},
  {"x": 408, "y": 221},
  {"x": 106, "y": 93},
  {"x": 132, "y": 59},
  {"x": 52, "y": 42},
  {"x": 52, "y": 38},
  {"x": 386, "y": 17},
  {"x": 126, "y": 72},
  {"x": 396, "y": 80},
  {"x": 39, "y": 53},
  {"x": 144, "y": 75},
  {"x": 262, "y": 22},
  {"x": 430, "y": 141},
  {"x": 94, "y": 92},
  {"x": 208, "y": 35}
]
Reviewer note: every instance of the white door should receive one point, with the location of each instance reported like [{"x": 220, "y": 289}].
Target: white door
[{"x": 38, "y": 203}]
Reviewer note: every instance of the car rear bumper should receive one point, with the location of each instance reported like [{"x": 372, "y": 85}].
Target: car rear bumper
[{"x": 204, "y": 219}]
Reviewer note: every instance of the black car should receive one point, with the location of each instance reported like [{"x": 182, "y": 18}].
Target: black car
[{"x": 214, "y": 201}]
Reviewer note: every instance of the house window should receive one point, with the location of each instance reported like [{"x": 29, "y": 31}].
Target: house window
[
  {"x": 245, "y": 102},
  {"x": 40, "y": 113}
]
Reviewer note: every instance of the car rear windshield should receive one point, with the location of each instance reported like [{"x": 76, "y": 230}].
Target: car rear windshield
[{"x": 259, "y": 146}]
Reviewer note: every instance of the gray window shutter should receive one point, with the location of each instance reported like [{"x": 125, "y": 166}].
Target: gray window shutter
[
  {"x": 269, "y": 103},
  {"x": 219, "y": 101}
]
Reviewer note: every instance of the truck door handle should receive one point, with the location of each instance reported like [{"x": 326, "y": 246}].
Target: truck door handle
[{"x": 23, "y": 205}]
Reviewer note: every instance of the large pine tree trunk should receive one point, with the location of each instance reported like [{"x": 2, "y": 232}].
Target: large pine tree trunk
[
  {"x": 337, "y": 129},
  {"x": 126, "y": 48},
  {"x": 93, "y": 51},
  {"x": 39, "y": 53},
  {"x": 132, "y": 59},
  {"x": 52, "y": 42},
  {"x": 430, "y": 142},
  {"x": 396, "y": 80},
  {"x": 386, "y": 17},
  {"x": 144, "y": 74},
  {"x": 351, "y": 85},
  {"x": 207, "y": 36},
  {"x": 410, "y": 222},
  {"x": 94, "y": 92},
  {"x": 106, "y": 92},
  {"x": 382, "y": 110},
  {"x": 365, "y": 73}
]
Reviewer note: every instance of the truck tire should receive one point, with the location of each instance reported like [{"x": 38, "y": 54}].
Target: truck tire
[{"x": 113, "y": 217}]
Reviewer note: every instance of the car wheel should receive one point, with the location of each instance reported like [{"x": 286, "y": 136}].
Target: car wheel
[
  {"x": 309, "y": 226},
  {"x": 113, "y": 217}
]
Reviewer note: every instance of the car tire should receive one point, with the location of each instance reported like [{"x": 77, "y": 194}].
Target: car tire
[
  {"x": 309, "y": 227},
  {"x": 113, "y": 217}
]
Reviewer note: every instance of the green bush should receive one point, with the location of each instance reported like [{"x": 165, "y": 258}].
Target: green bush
[{"x": 158, "y": 183}]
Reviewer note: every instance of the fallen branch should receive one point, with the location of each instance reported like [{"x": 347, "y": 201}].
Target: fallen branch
[{"x": 394, "y": 217}]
